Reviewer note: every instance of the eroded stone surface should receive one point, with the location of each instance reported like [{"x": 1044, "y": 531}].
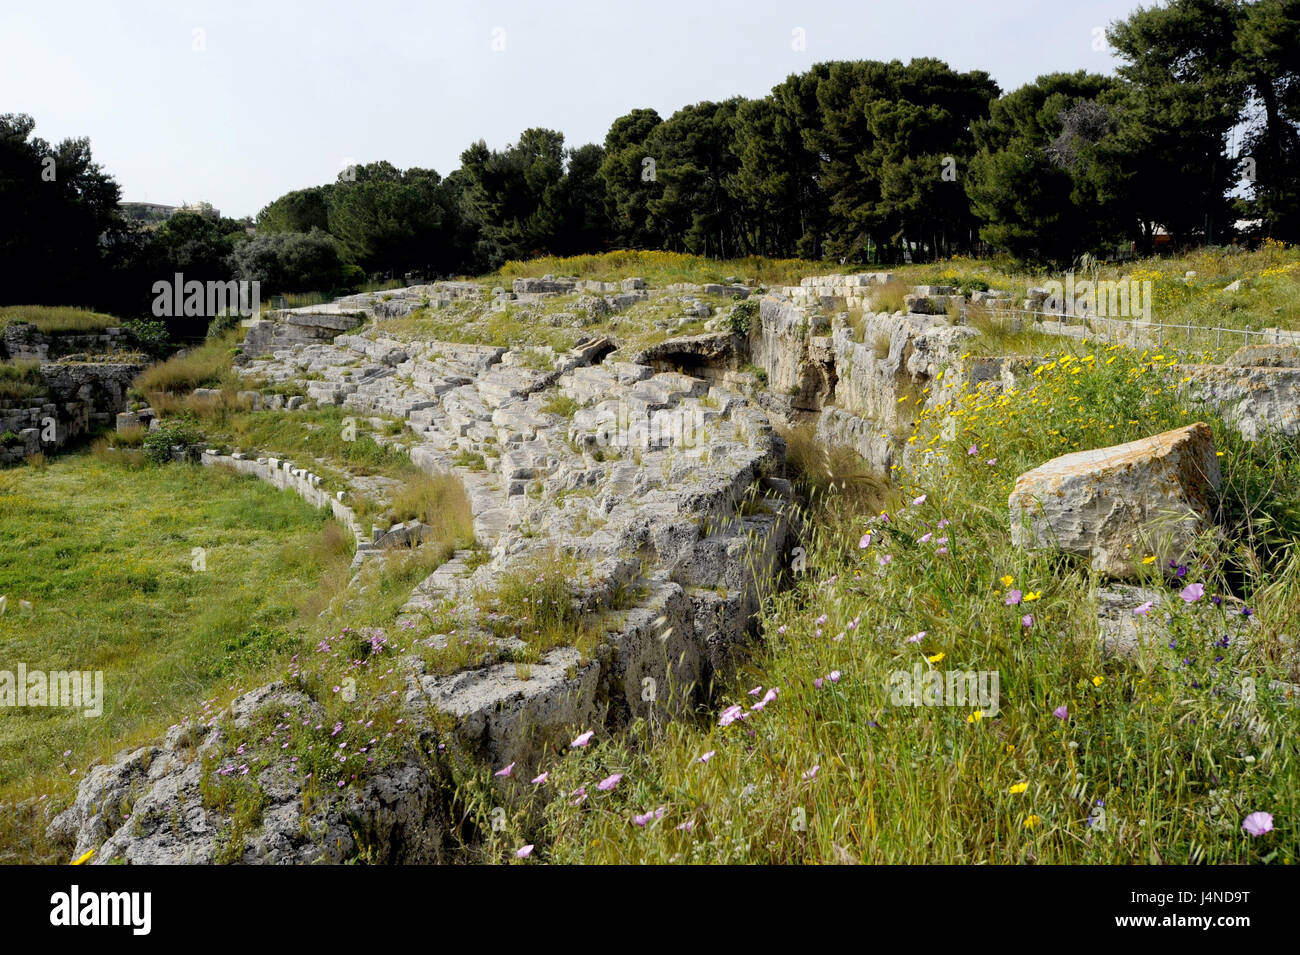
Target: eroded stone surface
[{"x": 1115, "y": 505}]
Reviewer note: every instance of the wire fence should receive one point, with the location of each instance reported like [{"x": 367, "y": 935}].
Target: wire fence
[{"x": 1137, "y": 331}]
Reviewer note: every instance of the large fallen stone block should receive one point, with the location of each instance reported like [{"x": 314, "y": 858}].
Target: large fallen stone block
[{"x": 1119, "y": 504}]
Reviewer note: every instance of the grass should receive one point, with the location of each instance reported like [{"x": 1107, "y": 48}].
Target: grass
[
  {"x": 440, "y": 501},
  {"x": 21, "y": 380},
  {"x": 105, "y": 552},
  {"x": 57, "y": 318},
  {"x": 1158, "y": 758},
  {"x": 663, "y": 268},
  {"x": 206, "y": 366}
]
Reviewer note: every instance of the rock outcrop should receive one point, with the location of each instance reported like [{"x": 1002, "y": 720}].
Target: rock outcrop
[{"x": 1119, "y": 504}]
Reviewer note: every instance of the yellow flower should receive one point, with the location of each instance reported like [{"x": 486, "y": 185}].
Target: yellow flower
[
  {"x": 1008, "y": 580},
  {"x": 1011, "y": 747},
  {"x": 83, "y": 857},
  {"x": 1149, "y": 560},
  {"x": 1033, "y": 595},
  {"x": 1096, "y": 681},
  {"x": 1032, "y": 821},
  {"x": 936, "y": 658},
  {"x": 975, "y": 717},
  {"x": 1018, "y": 788}
]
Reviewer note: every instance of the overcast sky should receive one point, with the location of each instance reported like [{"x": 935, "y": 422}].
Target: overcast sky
[{"x": 238, "y": 102}]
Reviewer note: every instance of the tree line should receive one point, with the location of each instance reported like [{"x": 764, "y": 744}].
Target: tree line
[{"x": 859, "y": 162}]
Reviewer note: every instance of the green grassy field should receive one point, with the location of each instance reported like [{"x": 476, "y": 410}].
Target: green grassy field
[
  {"x": 104, "y": 552},
  {"x": 57, "y": 318}
]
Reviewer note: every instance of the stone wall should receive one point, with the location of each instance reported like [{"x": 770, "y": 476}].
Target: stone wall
[{"x": 23, "y": 341}]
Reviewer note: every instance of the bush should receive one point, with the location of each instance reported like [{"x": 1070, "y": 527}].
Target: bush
[
  {"x": 151, "y": 337},
  {"x": 742, "y": 317},
  {"x": 158, "y": 444}
]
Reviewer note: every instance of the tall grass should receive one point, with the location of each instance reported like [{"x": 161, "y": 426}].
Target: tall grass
[
  {"x": 205, "y": 366},
  {"x": 57, "y": 318}
]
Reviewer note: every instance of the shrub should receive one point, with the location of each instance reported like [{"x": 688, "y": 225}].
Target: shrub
[
  {"x": 158, "y": 443},
  {"x": 742, "y": 316},
  {"x": 151, "y": 337}
]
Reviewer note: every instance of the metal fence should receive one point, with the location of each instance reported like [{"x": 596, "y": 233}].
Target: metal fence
[{"x": 1136, "y": 330}]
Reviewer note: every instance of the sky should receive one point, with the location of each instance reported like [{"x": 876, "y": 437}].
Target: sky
[{"x": 236, "y": 103}]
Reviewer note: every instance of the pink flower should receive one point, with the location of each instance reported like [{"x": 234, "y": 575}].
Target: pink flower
[
  {"x": 538, "y": 780},
  {"x": 505, "y": 772},
  {"x": 756, "y": 690},
  {"x": 817, "y": 683},
  {"x": 886, "y": 560},
  {"x": 1061, "y": 712},
  {"x": 1013, "y": 597},
  {"x": 925, "y": 538},
  {"x": 1192, "y": 593},
  {"x": 835, "y": 676},
  {"x": 523, "y": 852},
  {"x": 707, "y": 756},
  {"x": 942, "y": 550},
  {"x": 730, "y": 715},
  {"x": 973, "y": 450},
  {"x": 944, "y": 522},
  {"x": 583, "y": 739},
  {"x": 864, "y": 542},
  {"x": 1027, "y": 620},
  {"x": 686, "y": 826},
  {"x": 918, "y": 501},
  {"x": 992, "y": 461},
  {"x": 1141, "y": 610},
  {"x": 917, "y": 637},
  {"x": 812, "y": 772},
  {"x": 609, "y": 782},
  {"x": 1258, "y": 823}
]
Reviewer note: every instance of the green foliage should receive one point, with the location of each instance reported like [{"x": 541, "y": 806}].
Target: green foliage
[
  {"x": 150, "y": 336},
  {"x": 158, "y": 443},
  {"x": 742, "y": 317}
]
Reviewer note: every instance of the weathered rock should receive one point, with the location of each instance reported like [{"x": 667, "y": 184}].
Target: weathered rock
[{"x": 1115, "y": 505}]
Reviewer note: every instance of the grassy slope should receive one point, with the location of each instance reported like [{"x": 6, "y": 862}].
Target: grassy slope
[
  {"x": 103, "y": 552},
  {"x": 57, "y": 318}
]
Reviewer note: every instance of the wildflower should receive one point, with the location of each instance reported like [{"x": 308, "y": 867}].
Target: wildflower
[
  {"x": 1258, "y": 823},
  {"x": 756, "y": 690},
  {"x": 812, "y": 773},
  {"x": 865, "y": 542},
  {"x": 523, "y": 852},
  {"x": 975, "y": 717},
  {"x": 1013, "y": 598},
  {"x": 918, "y": 501},
  {"x": 1246, "y": 612},
  {"x": 925, "y": 538},
  {"x": 1192, "y": 593},
  {"x": 917, "y": 637},
  {"x": 1061, "y": 712},
  {"x": 707, "y": 756},
  {"x": 835, "y": 676},
  {"x": 583, "y": 739},
  {"x": 505, "y": 772},
  {"x": 942, "y": 550},
  {"x": 1027, "y": 620},
  {"x": 730, "y": 715},
  {"x": 1096, "y": 681},
  {"x": 1149, "y": 560},
  {"x": 973, "y": 450},
  {"x": 936, "y": 658},
  {"x": 817, "y": 683},
  {"x": 609, "y": 782},
  {"x": 1018, "y": 788},
  {"x": 1141, "y": 610},
  {"x": 1007, "y": 580},
  {"x": 686, "y": 826},
  {"x": 886, "y": 560},
  {"x": 538, "y": 780},
  {"x": 1032, "y": 821},
  {"x": 1033, "y": 595}
]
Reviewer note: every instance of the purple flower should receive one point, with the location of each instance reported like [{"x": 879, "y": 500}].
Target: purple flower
[
  {"x": 505, "y": 772},
  {"x": 1192, "y": 593},
  {"x": 812, "y": 772},
  {"x": 1141, "y": 610},
  {"x": 1013, "y": 597},
  {"x": 817, "y": 683},
  {"x": 609, "y": 782},
  {"x": 538, "y": 780},
  {"x": 1027, "y": 620},
  {"x": 1061, "y": 712},
  {"x": 918, "y": 501},
  {"x": 835, "y": 676},
  {"x": 583, "y": 739},
  {"x": 917, "y": 637},
  {"x": 864, "y": 542},
  {"x": 1258, "y": 823},
  {"x": 707, "y": 756},
  {"x": 523, "y": 852},
  {"x": 730, "y": 715}
]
